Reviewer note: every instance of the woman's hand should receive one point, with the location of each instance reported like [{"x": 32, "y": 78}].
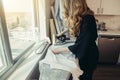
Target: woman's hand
[
  {"x": 56, "y": 51},
  {"x": 60, "y": 50}
]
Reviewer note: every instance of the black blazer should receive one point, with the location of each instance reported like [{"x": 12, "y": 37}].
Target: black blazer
[{"x": 85, "y": 48}]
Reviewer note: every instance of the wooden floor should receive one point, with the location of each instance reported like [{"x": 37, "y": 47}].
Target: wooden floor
[{"x": 107, "y": 72}]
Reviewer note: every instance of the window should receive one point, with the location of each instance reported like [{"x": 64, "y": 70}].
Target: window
[
  {"x": 20, "y": 25},
  {"x": 17, "y": 31}
]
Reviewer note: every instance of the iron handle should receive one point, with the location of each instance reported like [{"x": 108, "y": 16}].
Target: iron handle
[
  {"x": 101, "y": 10},
  {"x": 98, "y": 10}
]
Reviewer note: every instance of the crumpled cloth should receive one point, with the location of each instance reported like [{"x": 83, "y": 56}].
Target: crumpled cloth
[{"x": 64, "y": 61}]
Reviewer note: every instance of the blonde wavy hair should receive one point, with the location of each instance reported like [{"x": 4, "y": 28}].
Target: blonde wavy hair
[{"x": 72, "y": 14}]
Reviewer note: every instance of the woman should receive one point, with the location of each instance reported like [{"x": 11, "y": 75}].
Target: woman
[{"x": 82, "y": 25}]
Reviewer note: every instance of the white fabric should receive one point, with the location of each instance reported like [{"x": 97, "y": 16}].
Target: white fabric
[{"x": 64, "y": 61}]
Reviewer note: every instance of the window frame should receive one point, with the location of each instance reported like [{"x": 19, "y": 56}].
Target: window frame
[
  {"x": 2, "y": 50},
  {"x": 5, "y": 41}
]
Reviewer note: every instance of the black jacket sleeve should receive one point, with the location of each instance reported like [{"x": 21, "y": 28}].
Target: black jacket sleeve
[{"x": 82, "y": 42}]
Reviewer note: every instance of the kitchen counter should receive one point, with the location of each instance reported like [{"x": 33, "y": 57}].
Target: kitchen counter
[{"x": 109, "y": 33}]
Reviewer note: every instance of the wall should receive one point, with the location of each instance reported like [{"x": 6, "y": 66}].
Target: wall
[{"x": 112, "y": 22}]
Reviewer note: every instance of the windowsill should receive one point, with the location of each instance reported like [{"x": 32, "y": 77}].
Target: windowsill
[
  {"x": 25, "y": 68},
  {"x": 19, "y": 47},
  {"x": 23, "y": 71},
  {"x": 17, "y": 56}
]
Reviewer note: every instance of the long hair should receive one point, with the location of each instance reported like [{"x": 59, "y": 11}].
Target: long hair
[{"x": 72, "y": 14}]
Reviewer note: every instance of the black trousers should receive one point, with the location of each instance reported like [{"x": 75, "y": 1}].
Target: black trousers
[
  {"x": 87, "y": 75},
  {"x": 88, "y": 70}
]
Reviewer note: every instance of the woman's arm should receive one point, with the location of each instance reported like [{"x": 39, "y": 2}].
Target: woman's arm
[{"x": 81, "y": 45}]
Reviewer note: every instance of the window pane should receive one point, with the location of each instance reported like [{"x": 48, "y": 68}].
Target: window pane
[
  {"x": 1, "y": 52},
  {"x": 1, "y": 64},
  {"x": 20, "y": 25}
]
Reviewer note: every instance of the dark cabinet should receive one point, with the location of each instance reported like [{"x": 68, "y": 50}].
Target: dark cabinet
[
  {"x": 109, "y": 48},
  {"x": 118, "y": 45}
]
